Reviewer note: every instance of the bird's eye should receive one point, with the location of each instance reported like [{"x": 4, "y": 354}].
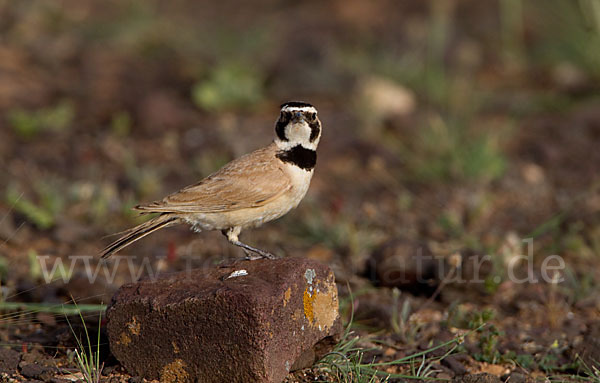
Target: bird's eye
[{"x": 313, "y": 116}]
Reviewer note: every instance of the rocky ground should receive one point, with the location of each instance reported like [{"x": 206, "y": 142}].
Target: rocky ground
[{"x": 456, "y": 194}]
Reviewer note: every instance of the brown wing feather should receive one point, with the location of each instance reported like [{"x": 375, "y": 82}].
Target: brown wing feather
[{"x": 249, "y": 181}]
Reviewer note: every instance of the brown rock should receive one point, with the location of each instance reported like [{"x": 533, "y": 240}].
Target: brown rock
[
  {"x": 452, "y": 362},
  {"x": 9, "y": 361},
  {"x": 36, "y": 371},
  {"x": 515, "y": 377},
  {"x": 404, "y": 264},
  {"x": 252, "y": 321},
  {"x": 478, "y": 378}
]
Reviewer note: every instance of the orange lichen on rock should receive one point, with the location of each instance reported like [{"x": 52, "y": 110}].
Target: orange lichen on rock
[
  {"x": 308, "y": 305},
  {"x": 321, "y": 303},
  {"x": 124, "y": 339},
  {"x": 174, "y": 372},
  {"x": 287, "y": 295},
  {"x": 134, "y": 326}
]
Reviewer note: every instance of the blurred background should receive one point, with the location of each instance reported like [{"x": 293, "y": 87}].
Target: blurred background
[{"x": 452, "y": 129}]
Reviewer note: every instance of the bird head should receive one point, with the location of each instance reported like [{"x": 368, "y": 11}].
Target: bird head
[{"x": 298, "y": 124}]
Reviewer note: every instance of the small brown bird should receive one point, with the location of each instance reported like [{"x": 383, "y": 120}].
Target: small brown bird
[{"x": 256, "y": 188}]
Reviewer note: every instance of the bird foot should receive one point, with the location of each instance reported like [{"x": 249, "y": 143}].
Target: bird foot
[{"x": 254, "y": 254}]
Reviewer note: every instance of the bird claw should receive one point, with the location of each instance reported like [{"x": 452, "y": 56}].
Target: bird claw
[{"x": 253, "y": 255}]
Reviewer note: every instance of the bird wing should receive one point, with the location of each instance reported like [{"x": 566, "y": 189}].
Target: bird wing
[{"x": 250, "y": 181}]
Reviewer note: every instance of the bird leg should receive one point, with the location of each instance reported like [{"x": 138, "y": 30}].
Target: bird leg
[{"x": 232, "y": 236}]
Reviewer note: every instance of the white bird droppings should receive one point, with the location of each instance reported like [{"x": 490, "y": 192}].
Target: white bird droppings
[{"x": 237, "y": 273}]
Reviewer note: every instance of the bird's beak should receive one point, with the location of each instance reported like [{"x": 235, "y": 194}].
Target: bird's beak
[{"x": 297, "y": 117}]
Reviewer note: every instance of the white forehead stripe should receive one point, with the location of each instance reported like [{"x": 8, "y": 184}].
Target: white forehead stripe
[{"x": 299, "y": 109}]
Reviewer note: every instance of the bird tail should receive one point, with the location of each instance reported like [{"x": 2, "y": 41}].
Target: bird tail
[{"x": 138, "y": 232}]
